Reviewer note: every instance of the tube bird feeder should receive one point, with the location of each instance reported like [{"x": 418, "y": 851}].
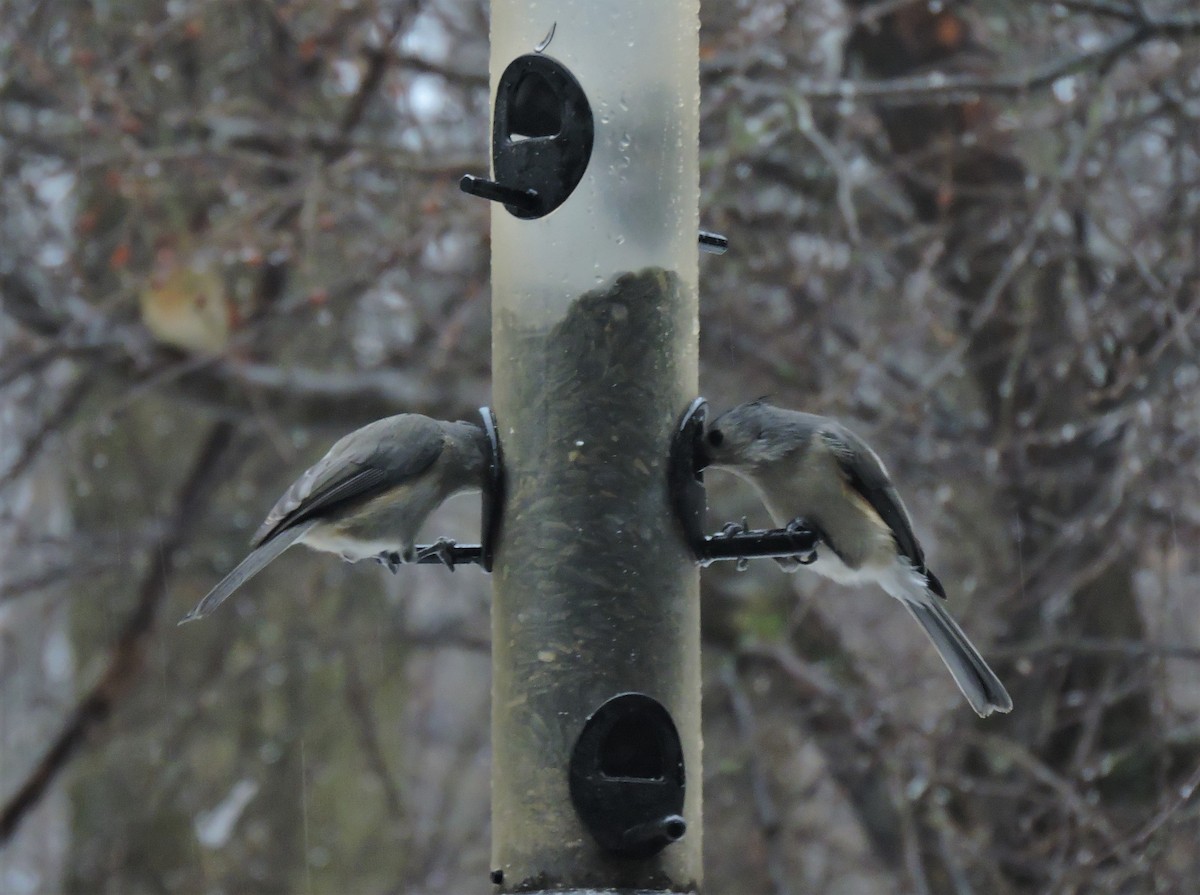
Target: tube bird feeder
[{"x": 595, "y": 621}]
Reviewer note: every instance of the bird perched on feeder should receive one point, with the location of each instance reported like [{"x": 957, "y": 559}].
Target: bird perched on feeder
[
  {"x": 367, "y": 497},
  {"x": 811, "y": 470}
]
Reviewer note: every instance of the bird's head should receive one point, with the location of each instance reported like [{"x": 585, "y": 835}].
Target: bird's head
[{"x": 748, "y": 436}]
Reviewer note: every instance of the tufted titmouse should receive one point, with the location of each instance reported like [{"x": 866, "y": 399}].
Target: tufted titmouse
[
  {"x": 811, "y": 468},
  {"x": 367, "y": 497}
]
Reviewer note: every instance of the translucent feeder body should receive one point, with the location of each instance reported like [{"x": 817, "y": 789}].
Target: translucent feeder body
[
  {"x": 595, "y": 357},
  {"x": 637, "y": 205}
]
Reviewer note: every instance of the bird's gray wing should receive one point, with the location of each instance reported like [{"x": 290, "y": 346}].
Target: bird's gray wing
[
  {"x": 364, "y": 463},
  {"x": 866, "y": 474},
  {"x": 249, "y": 567}
]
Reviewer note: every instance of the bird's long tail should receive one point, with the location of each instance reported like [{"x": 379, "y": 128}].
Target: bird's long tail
[
  {"x": 976, "y": 680},
  {"x": 249, "y": 567}
]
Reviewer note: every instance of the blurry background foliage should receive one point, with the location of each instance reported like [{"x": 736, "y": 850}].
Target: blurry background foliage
[{"x": 230, "y": 231}]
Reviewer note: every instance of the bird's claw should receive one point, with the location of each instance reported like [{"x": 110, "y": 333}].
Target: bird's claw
[
  {"x": 733, "y": 528},
  {"x": 391, "y": 559},
  {"x": 441, "y": 548},
  {"x": 792, "y": 563}
]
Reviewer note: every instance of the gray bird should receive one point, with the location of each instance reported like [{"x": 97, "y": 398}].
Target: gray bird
[
  {"x": 367, "y": 497},
  {"x": 811, "y": 468}
]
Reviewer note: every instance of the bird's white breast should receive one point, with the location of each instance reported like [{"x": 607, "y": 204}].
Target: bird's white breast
[{"x": 328, "y": 539}]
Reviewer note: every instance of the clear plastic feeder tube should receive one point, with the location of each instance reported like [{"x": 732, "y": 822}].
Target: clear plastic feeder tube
[{"x": 595, "y": 357}]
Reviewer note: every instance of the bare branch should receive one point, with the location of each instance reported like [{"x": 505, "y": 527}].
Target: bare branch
[
  {"x": 941, "y": 89},
  {"x": 1185, "y": 792},
  {"x": 53, "y": 423},
  {"x": 358, "y": 701},
  {"x": 128, "y": 653},
  {"x": 760, "y": 789}
]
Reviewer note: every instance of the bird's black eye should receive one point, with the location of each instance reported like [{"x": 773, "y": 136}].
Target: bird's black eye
[{"x": 715, "y": 437}]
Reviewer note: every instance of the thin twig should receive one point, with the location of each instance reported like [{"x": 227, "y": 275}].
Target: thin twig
[
  {"x": 54, "y": 422},
  {"x": 358, "y": 701},
  {"x": 939, "y": 88},
  {"x": 760, "y": 789},
  {"x": 743, "y": 715},
  {"x": 1086, "y": 646},
  {"x": 1152, "y": 826},
  {"x": 19, "y": 588}
]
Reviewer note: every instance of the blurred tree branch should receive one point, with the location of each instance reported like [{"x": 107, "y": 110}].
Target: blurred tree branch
[
  {"x": 831, "y": 700},
  {"x": 233, "y": 388},
  {"x": 1011, "y": 319},
  {"x": 127, "y": 655},
  {"x": 765, "y": 809},
  {"x": 939, "y": 87}
]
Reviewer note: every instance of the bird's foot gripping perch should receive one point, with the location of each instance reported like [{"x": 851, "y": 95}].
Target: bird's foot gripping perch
[
  {"x": 729, "y": 529},
  {"x": 791, "y": 547},
  {"x": 391, "y": 559},
  {"x": 442, "y": 549},
  {"x": 798, "y": 526}
]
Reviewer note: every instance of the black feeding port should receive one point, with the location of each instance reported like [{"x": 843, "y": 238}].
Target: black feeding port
[{"x": 627, "y": 778}]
